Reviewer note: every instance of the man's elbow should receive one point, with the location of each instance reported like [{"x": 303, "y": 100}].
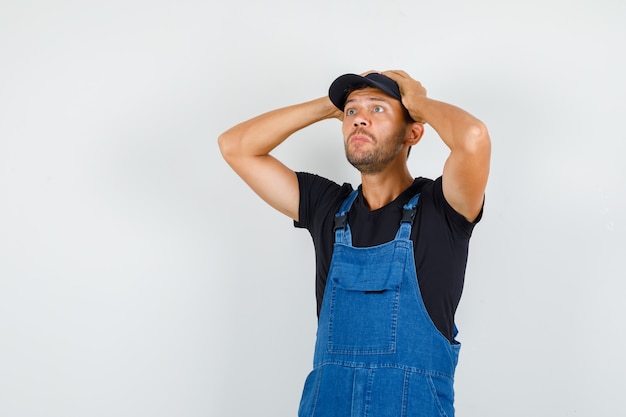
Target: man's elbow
[
  {"x": 227, "y": 145},
  {"x": 477, "y": 141}
]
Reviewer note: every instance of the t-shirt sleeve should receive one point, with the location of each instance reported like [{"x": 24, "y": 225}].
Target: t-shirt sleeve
[
  {"x": 455, "y": 219},
  {"x": 317, "y": 195}
]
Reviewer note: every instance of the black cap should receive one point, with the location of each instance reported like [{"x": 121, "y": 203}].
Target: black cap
[{"x": 347, "y": 83}]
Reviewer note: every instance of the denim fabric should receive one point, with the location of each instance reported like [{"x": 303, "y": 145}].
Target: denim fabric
[{"x": 377, "y": 352}]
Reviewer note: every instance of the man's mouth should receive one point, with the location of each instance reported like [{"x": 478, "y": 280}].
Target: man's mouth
[{"x": 360, "y": 137}]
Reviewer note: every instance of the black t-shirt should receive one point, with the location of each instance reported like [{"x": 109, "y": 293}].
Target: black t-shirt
[{"x": 440, "y": 238}]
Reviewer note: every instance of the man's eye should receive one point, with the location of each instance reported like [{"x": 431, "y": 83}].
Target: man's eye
[
  {"x": 378, "y": 109},
  {"x": 350, "y": 112}
]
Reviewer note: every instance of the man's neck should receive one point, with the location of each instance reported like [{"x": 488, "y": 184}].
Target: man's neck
[{"x": 382, "y": 188}]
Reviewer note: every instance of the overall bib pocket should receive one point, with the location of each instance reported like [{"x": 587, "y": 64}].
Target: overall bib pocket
[{"x": 363, "y": 315}]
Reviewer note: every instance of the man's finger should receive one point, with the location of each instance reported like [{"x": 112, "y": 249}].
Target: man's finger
[
  {"x": 396, "y": 74},
  {"x": 369, "y": 72}
]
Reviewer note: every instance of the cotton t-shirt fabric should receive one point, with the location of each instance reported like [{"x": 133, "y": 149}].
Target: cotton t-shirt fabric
[{"x": 440, "y": 238}]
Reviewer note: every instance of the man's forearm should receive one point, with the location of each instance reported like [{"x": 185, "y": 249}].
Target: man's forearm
[
  {"x": 260, "y": 135},
  {"x": 458, "y": 129}
]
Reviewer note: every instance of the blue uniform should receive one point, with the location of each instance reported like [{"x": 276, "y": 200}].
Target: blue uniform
[{"x": 377, "y": 352}]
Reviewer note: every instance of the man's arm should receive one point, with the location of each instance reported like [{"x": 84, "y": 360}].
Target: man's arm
[
  {"x": 467, "y": 168},
  {"x": 246, "y": 148}
]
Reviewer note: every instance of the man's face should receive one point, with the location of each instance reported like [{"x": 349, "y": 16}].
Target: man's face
[{"x": 374, "y": 129}]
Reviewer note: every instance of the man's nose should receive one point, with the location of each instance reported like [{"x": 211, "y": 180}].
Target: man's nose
[{"x": 360, "y": 121}]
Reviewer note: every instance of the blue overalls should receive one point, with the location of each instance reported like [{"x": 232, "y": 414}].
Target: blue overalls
[{"x": 377, "y": 353}]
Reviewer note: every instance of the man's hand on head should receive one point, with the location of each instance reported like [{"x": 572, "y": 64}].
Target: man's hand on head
[
  {"x": 338, "y": 114},
  {"x": 412, "y": 91}
]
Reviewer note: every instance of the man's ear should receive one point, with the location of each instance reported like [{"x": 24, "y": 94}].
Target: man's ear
[{"x": 416, "y": 132}]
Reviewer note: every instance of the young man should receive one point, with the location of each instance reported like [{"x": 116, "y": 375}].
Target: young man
[{"x": 390, "y": 255}]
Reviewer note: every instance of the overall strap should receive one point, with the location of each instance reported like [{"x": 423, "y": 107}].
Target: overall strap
[
  {"x": 408, "y": 216},
  {"x": 342, "y": 228}
]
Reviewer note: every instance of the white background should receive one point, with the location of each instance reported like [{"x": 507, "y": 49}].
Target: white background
[{"x": 140, "y": 277}]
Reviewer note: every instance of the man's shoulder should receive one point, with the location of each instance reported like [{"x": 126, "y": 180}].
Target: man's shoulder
[
  {"x": 319, "y": 197},
  {"x": 422, "y": 186},
  {"x": 316, "y": 185},
  {"x": 432, "y": 196}
]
